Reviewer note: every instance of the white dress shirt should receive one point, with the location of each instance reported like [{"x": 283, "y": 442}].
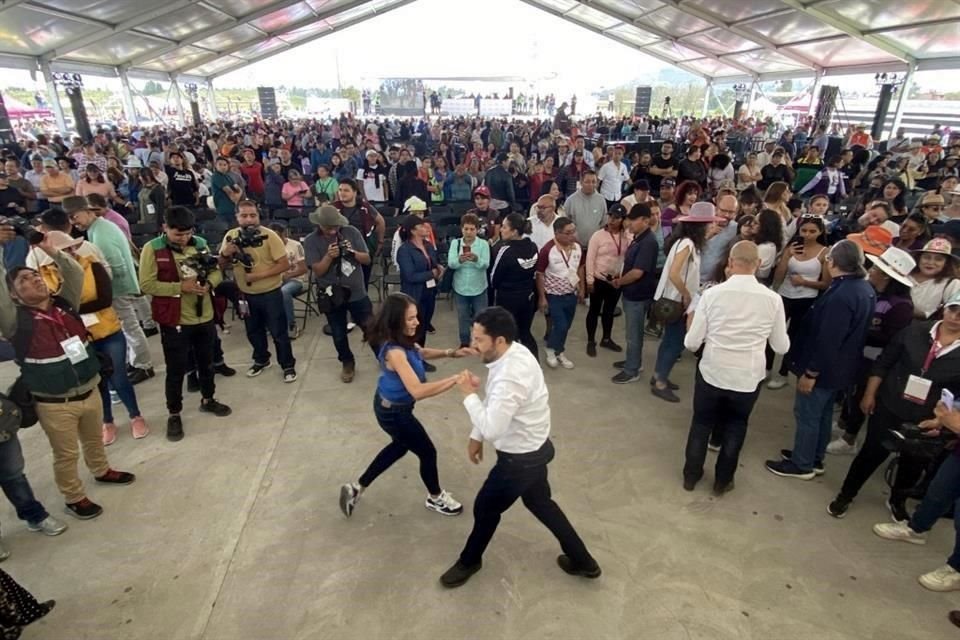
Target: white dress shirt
[
  {"x": 736, "y": 319},
  {"x": 612, "y": 176},
  {"x": 540, "y": 232},
  {"x": 515, "y": 414}
]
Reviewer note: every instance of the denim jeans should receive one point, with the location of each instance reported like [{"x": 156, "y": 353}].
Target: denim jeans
[
  {"x": 634, "y": 314},
  {"x": 266, "y": 314},
  {"x": 139, "y": 350},
  {"x": 406, "y": 434},
  {"x": 425, "y": 308},
  {"x": 712, "y": 408},
  {"x": 671, "y": 346},
  {"x": 184, "y": 347},
  {"x": 523, "y": 307},
  {"x": 360, "y": 311},
  {"x": 943, "y": 492},
  {"x": 814, "y": 414},
  {"x": 467, "y": 309},
  {"x": 562, "y": 309},
  {"x": 522, "y": 476},
  {"x": 15, "y": 485},
  {"x": 289, "y": 289},
  {"x": 115, "y": 346}
]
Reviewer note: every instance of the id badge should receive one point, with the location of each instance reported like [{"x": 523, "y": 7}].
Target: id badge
[
  {"x": 74, "y": 349},
  {"x": 151, "y": 209},
  {"x": 89, "y": 319},
  {"x": 573, "y": 278},
  {"x": 346, "y": 268},
  {"x": 917, "y": 389},
  {"x": 431, "y": 283}
]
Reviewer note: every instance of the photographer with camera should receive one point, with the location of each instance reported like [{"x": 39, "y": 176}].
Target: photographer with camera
[
  {"x": 179, "y": 272},
  {"x": 61, "y": 370},
  {"x": 335, "y": 253},
  {"x": 904, "y": 386},
  {"x": 259, "y": 261}
]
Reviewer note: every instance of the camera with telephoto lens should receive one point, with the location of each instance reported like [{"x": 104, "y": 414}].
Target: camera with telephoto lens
[
  {"x": 23, "y": 228},
  {"x": 200, "y": 265},
  {"x": 248, "y": 237}
]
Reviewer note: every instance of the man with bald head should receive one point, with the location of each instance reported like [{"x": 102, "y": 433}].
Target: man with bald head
[
  {"x": 541, "y": 224},
  {"x": 716, "y": 247},
  {"x": 733, "y": 321}
]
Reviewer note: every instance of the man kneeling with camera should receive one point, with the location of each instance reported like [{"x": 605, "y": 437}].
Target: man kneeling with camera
[
  {"x": 178, "y": 271},
  {"x": 259, "y": 260}
]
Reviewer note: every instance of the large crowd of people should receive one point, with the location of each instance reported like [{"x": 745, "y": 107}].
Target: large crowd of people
[{"x": 835, "y": 254}]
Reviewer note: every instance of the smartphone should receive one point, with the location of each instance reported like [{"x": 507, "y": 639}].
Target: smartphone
[
  {"x": 946, "y": 397},
  {"x": 467, "y": 250}
]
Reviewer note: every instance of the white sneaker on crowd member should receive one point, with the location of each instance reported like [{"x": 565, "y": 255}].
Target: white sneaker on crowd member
[
  {"x": 899, "y": 531},
  {"x": 349, "y": 496},
  {"x": 49, "y": 526},
  {"x": 444, "y": 504},
  {"x": 552, "y": 360},
  {"x": 564, "y": 361},
  {"x": 840, "y": 447},
  {"x": 946, "y": 578},
  {"x": 776, "y": 382}
]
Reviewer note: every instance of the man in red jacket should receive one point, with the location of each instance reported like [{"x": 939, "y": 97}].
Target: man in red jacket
[{"x": 252, "y": 172}]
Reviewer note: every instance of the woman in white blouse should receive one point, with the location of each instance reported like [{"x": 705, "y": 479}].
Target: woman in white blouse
[{"x": 935, "y": 276}]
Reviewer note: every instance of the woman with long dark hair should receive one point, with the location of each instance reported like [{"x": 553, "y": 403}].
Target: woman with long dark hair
[
  {"x": 512, "y": 276},
  {"x": 687, "y": 193},
  {"x": 679, "y": 282},
  {"x": 800, "y": 276},
  {"x": 914, "y": 233},
  {"x": 769, "y": 241},
  {"x": 402, "y": 382}
]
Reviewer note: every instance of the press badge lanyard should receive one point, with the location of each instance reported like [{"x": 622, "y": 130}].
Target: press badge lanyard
[
  {"x": 72, "y": 346},
  {"x": 918, "y": 387}
]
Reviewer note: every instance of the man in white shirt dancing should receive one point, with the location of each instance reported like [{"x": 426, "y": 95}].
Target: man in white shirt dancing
[
  {"x": 735, "y": 320},
  {"x": 515, "y": 418}
]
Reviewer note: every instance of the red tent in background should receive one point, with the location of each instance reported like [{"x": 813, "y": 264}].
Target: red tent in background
[
  {"x": 17, "y": 110},
  {"x": 798, "y": 104}
]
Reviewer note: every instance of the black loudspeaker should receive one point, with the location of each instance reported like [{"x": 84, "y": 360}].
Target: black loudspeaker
[
  {"x": 75, "y": 95},
  {"x": 641, "y": 107},
  {"x": 883, "y": 108},
  {"x": 268, "y": 103},
  {"x": 6, "y": 128},
  {"x": 195, "y": 112},
  {"x": 826, "y": 105}
]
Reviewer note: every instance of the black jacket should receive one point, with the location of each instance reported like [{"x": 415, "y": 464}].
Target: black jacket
[
  {"x": 500, "y": 183},
  {"x": 513, "y": 267},
  {"x": 904, "y": 357}
]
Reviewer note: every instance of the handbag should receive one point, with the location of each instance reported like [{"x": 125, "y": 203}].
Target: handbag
[
  {"x": 332, "y": 297},
  {"x": 446, "y": 282},
  {"x": 666, "y": 310},
  {"x": 19, "y": 395}
]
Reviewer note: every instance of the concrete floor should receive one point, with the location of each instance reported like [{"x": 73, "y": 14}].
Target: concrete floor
[{"x": 235, "y": 533}]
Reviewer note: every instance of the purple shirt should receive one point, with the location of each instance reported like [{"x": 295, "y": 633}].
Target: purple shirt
[{"x": 118, "y": 220}]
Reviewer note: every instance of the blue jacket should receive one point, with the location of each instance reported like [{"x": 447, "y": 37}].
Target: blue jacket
[
  {"x": 415, "y": 271},
  {"x": 834, "y": 331}
]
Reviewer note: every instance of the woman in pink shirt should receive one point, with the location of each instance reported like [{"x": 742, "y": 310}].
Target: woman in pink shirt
[
  {"x": 92, "y": 181},
  {"x": 605, "y": 253},
  {"x": 294, "y": 189}
]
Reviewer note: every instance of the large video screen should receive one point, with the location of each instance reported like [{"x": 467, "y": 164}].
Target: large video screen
[{"x": 401, "y": 93}]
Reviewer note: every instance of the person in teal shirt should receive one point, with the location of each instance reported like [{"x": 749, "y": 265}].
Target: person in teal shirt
[
  {"x": 469, "y": 258},
  {"x": 115, "y": 247},
  {"x": 226, "y": 192}
]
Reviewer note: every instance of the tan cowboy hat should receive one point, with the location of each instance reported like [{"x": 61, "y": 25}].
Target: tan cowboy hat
[{"x": 896, "y": 263}]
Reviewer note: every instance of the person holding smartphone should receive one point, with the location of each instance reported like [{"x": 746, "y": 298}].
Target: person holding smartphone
[
  {"x": 605, "y": 254},
  {"x": 469, "y": 257},
  {"x": 904, "y": 386}
]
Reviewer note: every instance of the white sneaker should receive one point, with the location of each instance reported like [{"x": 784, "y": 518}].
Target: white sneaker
[
  {"x": 776, "y": 382},
  {"x": 899, "y": 531},
  {"x": 349, "y": 496},
  {"x": 841, "y": 447},
  {"x": 564, "y": 362},
  {"x": 444, "y": 504},
  {"x": 946, "y": 578},
  {"x": 4, "y": 553},
  {"x": 49, "y": 526},
  {"x": 552, "y": 360}
]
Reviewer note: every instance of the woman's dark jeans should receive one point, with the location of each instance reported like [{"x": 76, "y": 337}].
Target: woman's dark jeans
[{"x": 407, "y": 434}]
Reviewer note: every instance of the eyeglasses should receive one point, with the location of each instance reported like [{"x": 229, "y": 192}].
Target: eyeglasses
[
  {"x": 731, "y": 212},
  {"x": 935, "y": 207},
  {"x": 815, "y": 216}
]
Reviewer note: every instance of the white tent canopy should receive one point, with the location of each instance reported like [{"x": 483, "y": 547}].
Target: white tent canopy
[{"x": 719, "y": 40}]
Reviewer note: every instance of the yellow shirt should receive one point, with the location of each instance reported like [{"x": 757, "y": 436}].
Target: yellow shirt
[
  {"x": 264, "y": 257},
  {"x": 61, "y": 181}
]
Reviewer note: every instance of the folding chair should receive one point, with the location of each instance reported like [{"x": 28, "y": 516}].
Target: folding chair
[{"x": 307, "y": 300}]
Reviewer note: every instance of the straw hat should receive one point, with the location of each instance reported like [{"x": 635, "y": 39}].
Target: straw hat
[
  {"x": 939, "y": 246},
  {"x": 896, "y": 263}
]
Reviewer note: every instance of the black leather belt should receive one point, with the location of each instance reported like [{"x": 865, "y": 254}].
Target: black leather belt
[{"x": 78, "y": 398}]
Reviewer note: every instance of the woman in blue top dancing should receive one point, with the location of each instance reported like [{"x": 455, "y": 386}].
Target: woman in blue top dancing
[{"x": 401, "y": 384}]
